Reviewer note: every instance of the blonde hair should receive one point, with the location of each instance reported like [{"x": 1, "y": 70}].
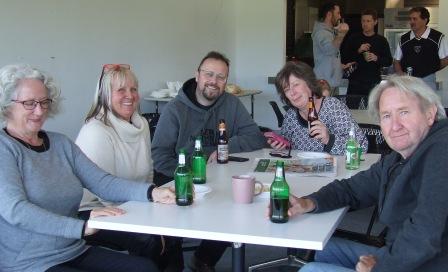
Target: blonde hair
[{"x": 102, "y": 102}]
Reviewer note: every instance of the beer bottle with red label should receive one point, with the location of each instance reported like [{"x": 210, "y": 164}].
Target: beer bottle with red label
[{"x": 223, "y": 143}]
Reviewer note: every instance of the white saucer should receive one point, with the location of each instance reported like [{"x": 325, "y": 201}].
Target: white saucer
[
  {"x": 200, "y": 190},
  {"x": 313, "y": 155}
]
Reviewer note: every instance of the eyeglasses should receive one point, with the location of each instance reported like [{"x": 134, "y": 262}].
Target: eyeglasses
[
  {"x": 210, "y": 75},
  {"x": 112, "y": 67},
  {"x": 32, "y": 104}
]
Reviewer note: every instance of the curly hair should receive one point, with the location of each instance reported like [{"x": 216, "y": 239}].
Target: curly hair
[{"x": 10, "y": 78}]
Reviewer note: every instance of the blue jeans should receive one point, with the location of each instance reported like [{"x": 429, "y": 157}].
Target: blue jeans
[{"x": 339, "y": 255}]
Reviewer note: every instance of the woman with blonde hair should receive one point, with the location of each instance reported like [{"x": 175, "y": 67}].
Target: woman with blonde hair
[{"x": 117, "y": 138}]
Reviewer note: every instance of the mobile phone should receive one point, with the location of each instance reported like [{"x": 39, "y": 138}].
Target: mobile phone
[
  {"x": 275, "y": 137},
  {"x": 281, "y": 154},
  {"x": 238, "y": 159}
]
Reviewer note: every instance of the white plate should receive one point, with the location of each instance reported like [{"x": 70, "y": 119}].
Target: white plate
[
  {"x": 200, "y": 190},
  {"x": 313, "y": 155}
]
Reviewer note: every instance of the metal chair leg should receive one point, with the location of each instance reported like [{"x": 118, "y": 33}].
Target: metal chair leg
[
  {"x": 267, "y": 264},
  {"x": 292, "y": 261}
]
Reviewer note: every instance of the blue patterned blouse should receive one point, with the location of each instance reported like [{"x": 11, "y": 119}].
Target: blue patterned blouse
[{"x": 336, "y": 117}]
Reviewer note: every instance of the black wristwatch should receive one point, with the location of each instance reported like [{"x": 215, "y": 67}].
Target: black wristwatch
[{"x": 149, "y": 192}]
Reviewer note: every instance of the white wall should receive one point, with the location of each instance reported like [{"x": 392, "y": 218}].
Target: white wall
[
  {"x": 161, "y": 39},
  {"x": 260, "y": 51}
]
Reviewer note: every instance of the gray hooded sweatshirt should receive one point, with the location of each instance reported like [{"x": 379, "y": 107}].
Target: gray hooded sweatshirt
[{"x": 182, "y": 120}]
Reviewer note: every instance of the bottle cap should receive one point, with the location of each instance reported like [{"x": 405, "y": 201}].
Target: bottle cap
[
  {"x": 197, "y": 143},
  {"x": 182, "y": 156}
]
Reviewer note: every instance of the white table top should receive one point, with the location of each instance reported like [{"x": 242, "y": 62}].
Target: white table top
[{"x": 216, "y": 217}]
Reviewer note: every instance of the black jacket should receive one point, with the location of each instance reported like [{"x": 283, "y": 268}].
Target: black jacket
[{"x": 412, "y": 203}]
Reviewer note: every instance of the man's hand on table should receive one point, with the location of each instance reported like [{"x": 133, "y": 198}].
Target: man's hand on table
[{"x": 296, "y": 206}]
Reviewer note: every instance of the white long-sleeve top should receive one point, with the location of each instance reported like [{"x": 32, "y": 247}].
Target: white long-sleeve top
[{"x": 122, "y": 149}]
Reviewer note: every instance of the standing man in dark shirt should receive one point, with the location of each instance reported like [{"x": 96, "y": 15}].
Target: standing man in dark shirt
[
  {"x": 423, "y": 49},
  {"x": 370, "y": 51}
]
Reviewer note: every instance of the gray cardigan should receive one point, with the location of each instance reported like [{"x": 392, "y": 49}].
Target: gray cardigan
[{"x": 40, "y": 195}]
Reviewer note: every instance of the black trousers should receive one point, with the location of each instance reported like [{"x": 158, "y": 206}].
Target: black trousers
[
  {"x": 105, "y": 260},
  {"x": 143, "y": 245},
  {"x": 210, "y": 252}
]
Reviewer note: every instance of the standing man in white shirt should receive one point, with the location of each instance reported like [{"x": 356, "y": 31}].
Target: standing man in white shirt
[{"x": 422, "y": 51}]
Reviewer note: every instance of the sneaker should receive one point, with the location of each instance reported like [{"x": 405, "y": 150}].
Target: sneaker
[{"x": 197, "y": 265}]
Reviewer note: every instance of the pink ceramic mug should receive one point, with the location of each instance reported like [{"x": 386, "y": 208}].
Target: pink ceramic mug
[{"x": 243, "y": 187}]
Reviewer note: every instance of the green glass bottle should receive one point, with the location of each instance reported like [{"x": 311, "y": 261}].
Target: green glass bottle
[
  {"x": 198, "y": 163},
  {"x": 279, "y": 196},
  {"x": 183, "y": 182},
  {"x": 351, "y": 150}
]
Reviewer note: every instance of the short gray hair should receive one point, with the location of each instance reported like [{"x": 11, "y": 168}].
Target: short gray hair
[
  {"x": 409, "y": 85},
  {"x": 10, "y": 77}
]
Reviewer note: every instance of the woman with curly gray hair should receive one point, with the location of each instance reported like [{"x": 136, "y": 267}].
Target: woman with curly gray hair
[{"x": 42, "y": 179}]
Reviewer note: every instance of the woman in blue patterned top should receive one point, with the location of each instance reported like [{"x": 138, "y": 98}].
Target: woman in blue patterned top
[{"x": 295, "y": 83}]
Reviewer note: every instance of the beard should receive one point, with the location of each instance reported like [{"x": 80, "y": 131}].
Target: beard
[
  {"x": 335, "y": 21},
  {"x": 211, "y": 94}
]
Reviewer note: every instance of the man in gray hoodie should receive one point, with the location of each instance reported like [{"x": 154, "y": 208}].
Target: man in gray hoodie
[
  {"x": 196, "y": 111},
  {"x": 328, "y": 34}
]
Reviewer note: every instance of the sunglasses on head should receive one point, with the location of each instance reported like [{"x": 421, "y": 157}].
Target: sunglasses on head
[{"x": 112, "y": 67}]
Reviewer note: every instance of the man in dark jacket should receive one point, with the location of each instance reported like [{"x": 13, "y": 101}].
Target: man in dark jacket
[
  {"x": 370, "y": 51},
  {"x": 409, "y": 186}
]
